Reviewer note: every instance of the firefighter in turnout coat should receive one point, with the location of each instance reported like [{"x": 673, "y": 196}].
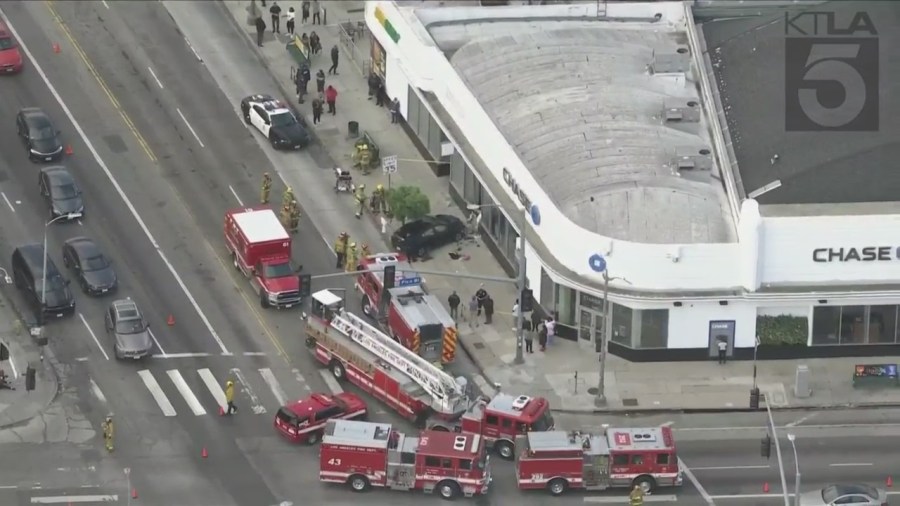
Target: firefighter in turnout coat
[
  {"x": 352, "y": 258},
  {"x": 266, "y": 188},
  {"x": 340, "y": 249},
  {"x": 109, "y": 432},
  {"x": 294, "y": 216},
  {"x": 230, "y": 409},
  {"x": 288, "y": 197},
  {"x": 285, "y": 216},
  {"x": 360, "y": 198},
  {"x": 636, "y": 498}
]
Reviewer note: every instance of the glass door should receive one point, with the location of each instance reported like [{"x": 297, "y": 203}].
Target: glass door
[{"x": 586, "y": 325}]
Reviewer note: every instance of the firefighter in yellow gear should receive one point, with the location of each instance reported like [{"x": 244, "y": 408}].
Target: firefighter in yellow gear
[
  {"x": 362, "y": 156},
  {"x": 636, "y": 498},
  {"x": 285, "y": 215},
  {"x": 109, "y": 432},
  {"x": 360, "y": 198},
  {"x": 266, "y": 188},
  {"x": 378, "y": 204},
  {"x": 288, "y": 197},
  {"x": 365, "y": 251},
  {"x": 352, "y": 258},
  {"x": 340, "y": 249},
  {"x": 295, "y": 216},
  {"x": 229, "y": 398}
]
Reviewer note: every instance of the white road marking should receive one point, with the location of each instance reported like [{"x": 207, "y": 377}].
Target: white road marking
[
  {"x": 269, "y": 378},
  {"x": 801, "y": 420},
  {"x": 186, "y": 392},
  {"x": 332, "y": 383},
  {"x": 81, "y": 359},
  {"x": 117, "y": 186},
  {"x": 254, "y": 353},
  {"x": 156, "y": 391},
  {"x": 95, "y": 388},
  {"x": 12, "y": 365},
  {"x": 8, "y": 487},
  {"x": 158, "y": 82},
  {"x": 852, "y": 464},
  {"x": 727, "y": 468},
  {"x": 254, "y": 400},
  {"x": 624, "y": 499},
  {"x": 213, "y": 386},
  {"x": 91, "y": 332},
  {"x": 193, "y": 50},
  {"x": 11, "y": 208},
  {"x": 240, "y": 203},
  {"x": 693, "y": 479},
  {"x": 105, "y": 4},
  {"x": 193, "y": 132},
  {"x": 181, "y": 355},
  {"x": 69, "y": 499},
  {"x": 773, "y": 496},
  {"x": 300, "y": 379},
  {"x": 158, "y": 346}
]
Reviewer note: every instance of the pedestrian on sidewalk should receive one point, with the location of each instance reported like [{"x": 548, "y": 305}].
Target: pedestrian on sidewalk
[
  {"x": 260, "y": 30},
  {"x": 335, "y": 53},
  {"x": 316, "y": 12},
  {"x": 331, "y": 99},
  {"x": 320, "y": 81},
  {"x": 318, "y": 105},
  {"x": 453, "y": 301},
  {"x": 315, "y": 43},
  {"x": 304, "y": 10},
  {"x": 275, "y": 11},
  {"x": 722, "y": 345},
  {"x": 482, "y": 295},
  {"x": 301, "y": 82},
  {"x": 551, "y": 329},
  {"x": 291, "y": 15},
  {"x": 380, "y": 93},
  {"x": 488, "y": 310},
  {"x": 395, "y": 110},
  {"x": 373, "y": 84},
  {"x": 542, "y": 335},
  {"x": 528, "y": 332},
  {"x": 474, "y": 309}
]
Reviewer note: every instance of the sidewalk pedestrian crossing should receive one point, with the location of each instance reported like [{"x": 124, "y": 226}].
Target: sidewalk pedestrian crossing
[{"x": 200, "y": 392}]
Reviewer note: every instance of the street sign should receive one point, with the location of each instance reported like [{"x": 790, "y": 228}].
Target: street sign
[
  {"x": 409, "y": 281},
  {"x": 389, "y": 164}
]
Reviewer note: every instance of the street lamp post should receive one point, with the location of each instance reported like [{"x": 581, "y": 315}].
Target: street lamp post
[
  {"x": 792, "y": 438},
  {"x": 70, "y": 216},
  {"x": 600, "y": 399}
]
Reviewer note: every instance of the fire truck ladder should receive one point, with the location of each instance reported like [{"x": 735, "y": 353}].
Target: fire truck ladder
[{"x": 436, "y": 382}]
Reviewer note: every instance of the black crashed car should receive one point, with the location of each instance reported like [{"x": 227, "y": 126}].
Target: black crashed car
[
  {"x": 38, "y": 134},
  {"x": 93, "y": 269},
  {"x": 276, "y": 121},
  {"x": 59, "y": 190},
  {"x": 416, "y": 238}
]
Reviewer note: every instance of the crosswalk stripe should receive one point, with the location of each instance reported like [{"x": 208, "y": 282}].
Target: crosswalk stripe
[
  {"x": 186, "y": 392},
  {"x": 332, "y": 383},
  {"x": 207, "y": 376},
  {"x": 300, "y": 379},
  {"x": 270, "y": 380},
  {"x": 158, "y": 395},
  {"x": 254, "y": 400}
]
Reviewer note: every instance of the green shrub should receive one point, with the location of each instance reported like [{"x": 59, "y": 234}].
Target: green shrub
[
  {"x": 408, "y": 203},
  {"x": 782, "y": 330}
]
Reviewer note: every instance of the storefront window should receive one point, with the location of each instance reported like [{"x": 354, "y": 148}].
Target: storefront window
[
  {"x": 546, "y": 295},
  {"x": 654, "y": 328},
  {"x": 458, "y": 171},
  {"x": 413, "y": 109},
  {"x": 621, "y": 323},
  {"x": 826, "y": 325},
  {"x": 853, "y": 325},
  {"x": 472, "y": 191},
  {"x": 565, "y": 305},
  {"x": 435, "y": 136},
  {"x": 882, "y": 324},
  {"x": 511, "y": 239}
]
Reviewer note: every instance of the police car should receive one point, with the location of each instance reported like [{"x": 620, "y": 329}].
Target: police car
[{"x": 275, "y": 121}]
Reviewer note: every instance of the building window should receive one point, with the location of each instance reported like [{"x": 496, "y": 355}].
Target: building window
[
  {"x": 423, "y": 124},
  {"x": 472, "y": 190},
  {"x": 853, "y": 325},
  {"x": 565, "y": 305},
  {"x": 654, "y": 328},
  {"x": 458, "y": 171},
  {"x": 413, "y": 105},
  {"x": 511, "y": 239},
  {"x": 546, "y": 296},
  {"x": 621, "y": 324},
  {"x": 882, "y": 324},
  {"x": 826, "y": 325},
  {"x": 435, "y": 134}
]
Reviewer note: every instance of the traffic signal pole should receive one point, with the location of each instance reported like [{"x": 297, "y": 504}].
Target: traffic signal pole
[{"x": 784, "y": 489}]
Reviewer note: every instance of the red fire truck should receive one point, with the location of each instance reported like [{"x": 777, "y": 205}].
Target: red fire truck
[
  {"x": 559, "y": 460},
  {"x": 410, "y": 314},
  {"x": 356, "y": 351},
  {"x": 365, "y": 455}
]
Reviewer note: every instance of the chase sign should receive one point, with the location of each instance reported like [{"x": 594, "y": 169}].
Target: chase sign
[{"x": 523, "y": 197}]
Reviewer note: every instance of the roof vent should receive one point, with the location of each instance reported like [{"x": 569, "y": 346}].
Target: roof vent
[
  {"x": 681, "y": 110},
  {"x": 459, "y": 443},
  {"x": 693, "y": 158},
  {"x": 644, "y": 438},
  {"x": 671, "y": 62},
  {"x": 520, "y": 402},
  {"x": 385, "y": 259}
]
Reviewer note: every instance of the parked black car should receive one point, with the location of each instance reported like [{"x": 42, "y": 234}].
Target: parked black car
[
  {"x": 56, "y": 299},
  {"x": 93, "y": 269},
  {"x": 38, "y": 134},
  {"x": 416, "y": 238},
  {"x": 59, "y": 190}
]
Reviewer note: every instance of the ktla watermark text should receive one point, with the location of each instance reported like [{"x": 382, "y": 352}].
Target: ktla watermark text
[{"x": 831, "y": 72}]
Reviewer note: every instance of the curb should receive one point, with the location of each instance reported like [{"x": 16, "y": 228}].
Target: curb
[{"x": 700, "y": 411}]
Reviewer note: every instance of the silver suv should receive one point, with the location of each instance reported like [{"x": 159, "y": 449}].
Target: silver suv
[{"x": 130, "y": 330}]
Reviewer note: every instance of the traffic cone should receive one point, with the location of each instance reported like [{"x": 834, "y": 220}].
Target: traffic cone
[
  {"x": 171, "y": 320},
  {"x": 889, "y": 482},
  {"x": 134, "y": 493},
  {"x": 56, "y": 48},
  {"x": 69, "y": 150},
  {"x": 766, "y": 487},
  {"x": 203, "y": 453}
]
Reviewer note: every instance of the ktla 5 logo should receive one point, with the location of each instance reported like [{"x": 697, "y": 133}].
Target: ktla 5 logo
[{"x": 831, "y": 72}]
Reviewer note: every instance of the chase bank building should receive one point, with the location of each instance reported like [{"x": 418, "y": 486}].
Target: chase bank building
[{"x": 648, "y": 144}]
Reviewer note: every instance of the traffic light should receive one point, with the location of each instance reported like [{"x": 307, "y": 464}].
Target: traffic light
[
  {"x": 527, "y": 301},
  {"x": 754, "y": 398},
  {"x": 766, "y": 446},
  {"x": 4, "y": 352},
  {"x": 390, "y": 272},
  {"x": 305, "y": 285},
  {"x": 30, "y": 378}
]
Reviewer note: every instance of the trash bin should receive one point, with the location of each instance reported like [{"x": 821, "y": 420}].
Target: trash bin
[{"x": 353, "y": 129}]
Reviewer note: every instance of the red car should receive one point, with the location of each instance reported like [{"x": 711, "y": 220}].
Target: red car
[
  {"x": 304, "y": 420},
  {"x": 10, "y": 57}
]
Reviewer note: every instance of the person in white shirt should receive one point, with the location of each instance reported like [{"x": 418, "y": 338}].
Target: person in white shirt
[
  {"x": 551, "y": 329},
  {"x": 291, "y": 14},
  {"x": 722, "y": 346}
]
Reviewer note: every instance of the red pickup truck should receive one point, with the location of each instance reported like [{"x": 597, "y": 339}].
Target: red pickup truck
[{"x": 260, "y": 248}]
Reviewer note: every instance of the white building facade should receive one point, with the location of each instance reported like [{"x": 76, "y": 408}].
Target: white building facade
[{"x": 812, "y": 285}]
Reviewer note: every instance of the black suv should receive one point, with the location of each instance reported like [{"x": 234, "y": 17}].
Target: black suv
[
  {"x": 38, "y": 134},
  {"x": 59, "y": 190},
  {"x": 54, "y": 301}
]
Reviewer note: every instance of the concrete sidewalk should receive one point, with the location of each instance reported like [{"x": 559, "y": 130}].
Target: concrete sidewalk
[{"x": 567, "y": 370}]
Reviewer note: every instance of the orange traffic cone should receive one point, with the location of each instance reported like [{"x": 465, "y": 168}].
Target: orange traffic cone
[
  {"x": 171, "y": 320},
  {"x": 56, "y": 48},
  {"x": 134, "y": 493},
  {"x": 69, "y": 150},
  {"x": 889, "y": 482},
  {"x": 766, "y": 487},
  {"x": 203, "y": 453}
]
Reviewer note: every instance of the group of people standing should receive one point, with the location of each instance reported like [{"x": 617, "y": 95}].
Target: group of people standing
[
  {"x": 348, "y": 254},
  {"x": 482, "y": 303}
]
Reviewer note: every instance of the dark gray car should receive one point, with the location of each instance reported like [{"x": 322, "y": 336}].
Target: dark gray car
[
  {"x": 61, "y": 193},
  {"x": 131, "y": 332},
  {"x": 851, "y": 494}
]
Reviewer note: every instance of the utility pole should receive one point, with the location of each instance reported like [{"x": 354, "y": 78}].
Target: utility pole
[
  {"x": 792, "y": 438},
  {"x": 784, "y": 489},
  {"x": 600, "y": 399},
  {"x": 521, "y": 281}
]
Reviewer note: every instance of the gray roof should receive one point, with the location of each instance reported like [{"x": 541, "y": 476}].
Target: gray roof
[
  {"x": 419, "y": 308},
  {"x": 748, "y": 58},
  {"x": 578, "y": 103}
]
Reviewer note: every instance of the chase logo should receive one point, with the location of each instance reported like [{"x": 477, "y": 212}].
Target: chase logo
[
  {"x": 535, "y": 215},
  {"x": 865, "y": 254}
]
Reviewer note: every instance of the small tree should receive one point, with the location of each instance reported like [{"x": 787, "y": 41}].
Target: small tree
[{"x": 408, "y": 203}]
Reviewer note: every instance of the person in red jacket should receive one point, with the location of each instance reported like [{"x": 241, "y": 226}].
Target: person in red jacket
[{"x": 331, "y": 99}]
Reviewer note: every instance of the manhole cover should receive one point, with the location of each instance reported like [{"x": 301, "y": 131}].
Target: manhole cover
[
  {"x": 629, "y": 402},
  {"x": 478, "y": 346}
]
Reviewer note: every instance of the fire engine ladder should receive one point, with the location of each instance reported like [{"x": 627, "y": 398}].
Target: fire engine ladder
[{"x": 436, "y": 382}]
